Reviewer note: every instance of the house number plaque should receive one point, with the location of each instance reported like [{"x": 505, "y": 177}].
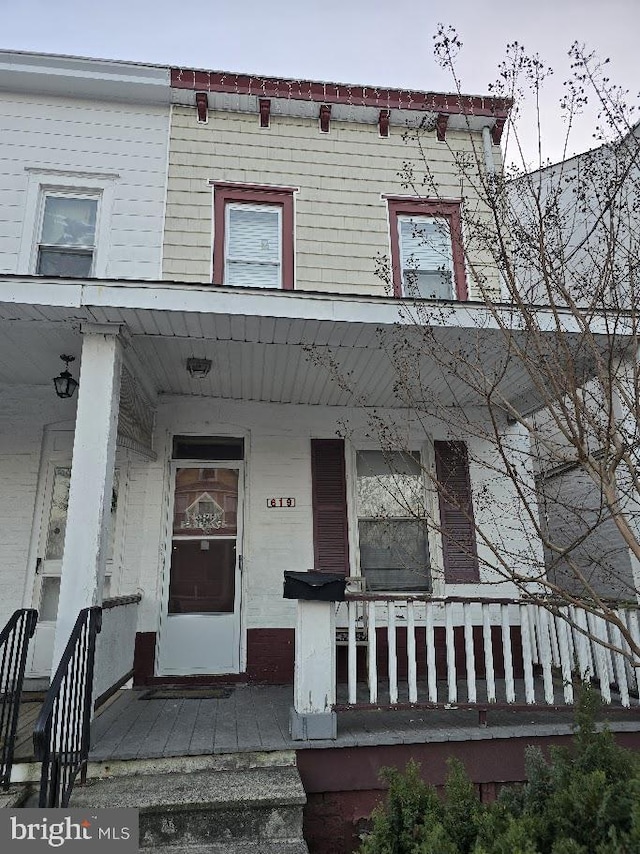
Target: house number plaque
[{"x": 281, "y": 502}]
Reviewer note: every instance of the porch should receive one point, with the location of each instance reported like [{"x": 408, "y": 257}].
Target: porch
[
  {"x": 135, "y": 731},
  {"x": 187, "y": 733}
]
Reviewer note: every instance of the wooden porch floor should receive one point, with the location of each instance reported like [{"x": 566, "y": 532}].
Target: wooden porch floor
[{"x": 256, "y": 719}]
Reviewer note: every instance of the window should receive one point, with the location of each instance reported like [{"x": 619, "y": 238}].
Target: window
[
  {"x": 67, "y": 235},
  {"x": 426, "y": 249},
  {"x": 253, "y": 236},
  {"x": 253, "y": 246},
  {"x": 425, "y": 257},
  {"x": 392, "y": 529}
]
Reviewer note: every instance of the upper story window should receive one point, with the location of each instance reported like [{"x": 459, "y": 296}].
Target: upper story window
[
  {"x": 253, "y": 245},
  {"x": 67, "y": 222},
  {"x": 253, "y": 236},
  {"x": 67, "y": 236},
  {"x": 427, "y": 255}
]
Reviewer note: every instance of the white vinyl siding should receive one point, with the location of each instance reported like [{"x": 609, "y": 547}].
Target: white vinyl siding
[
  {"x": 253, "y": 245},
  {"x": 425, "y": 256},
  {"x": 67, "y": 235},
  {"x": 115, "y": 150}
]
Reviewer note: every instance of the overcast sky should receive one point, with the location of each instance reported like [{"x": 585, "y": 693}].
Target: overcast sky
[{"x": 384, "y": 42}]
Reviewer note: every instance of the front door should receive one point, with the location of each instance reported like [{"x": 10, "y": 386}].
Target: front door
[
  {"x": 200, "y": 628},
  {"x": 46, "y": 590}
]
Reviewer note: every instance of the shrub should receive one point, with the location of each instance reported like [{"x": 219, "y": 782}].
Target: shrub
[{"x": 585, "y": 800}]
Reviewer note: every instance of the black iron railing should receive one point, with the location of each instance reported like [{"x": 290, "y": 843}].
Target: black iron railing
[
  {"x": 61, "y": 737},
  {"x": 14, "y": 643}
]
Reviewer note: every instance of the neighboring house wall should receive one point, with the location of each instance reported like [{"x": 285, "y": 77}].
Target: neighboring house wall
[
  {"x": 118, "y": 150},
  {"x": 36, "y": 431},
  {"x": 23, "y": 413},
  {"x": 583, "y": 213},
  {"x": 574, "y": 517},
  {"x": 585, "y": 209},
  {"x": 341, "y": 221}
]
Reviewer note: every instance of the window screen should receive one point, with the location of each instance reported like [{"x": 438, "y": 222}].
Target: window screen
[
  {"x": 67, "y": 238},
  {"x": 425, "y": 256},
  {"x": 253, "y": 245},
  {"x": 394, "y": 550}
]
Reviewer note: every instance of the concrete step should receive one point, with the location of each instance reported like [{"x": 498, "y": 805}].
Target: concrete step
[
  {"x": 205, "y": 809},
  {"x": 15, "y": 796}
]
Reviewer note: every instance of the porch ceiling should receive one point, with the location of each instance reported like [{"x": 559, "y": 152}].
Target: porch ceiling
[{"x": 280, "y": 347}]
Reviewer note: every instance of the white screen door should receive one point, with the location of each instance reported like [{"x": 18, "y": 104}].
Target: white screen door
[{"x": 200, "y": 627}]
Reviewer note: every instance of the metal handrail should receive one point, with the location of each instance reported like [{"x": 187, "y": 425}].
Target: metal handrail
[
  {"x": 14, "y": 644},
  {"x": 61, "y": 737}
]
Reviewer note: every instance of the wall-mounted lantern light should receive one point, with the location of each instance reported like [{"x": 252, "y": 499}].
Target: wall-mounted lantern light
[{"x": 65, "y": 384}]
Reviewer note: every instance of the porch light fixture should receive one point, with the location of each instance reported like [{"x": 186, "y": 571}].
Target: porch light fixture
[
  {"x": 65, "y": 385},
  {"x": 198, "y": 368}
]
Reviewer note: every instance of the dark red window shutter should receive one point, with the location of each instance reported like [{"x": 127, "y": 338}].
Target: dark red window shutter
[
  {"x": 329, "y": 495},
  {"x": 456, "y": 514}
]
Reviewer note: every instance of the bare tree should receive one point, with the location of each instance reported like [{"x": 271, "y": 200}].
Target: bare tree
[{"x": 542, "y": 381}]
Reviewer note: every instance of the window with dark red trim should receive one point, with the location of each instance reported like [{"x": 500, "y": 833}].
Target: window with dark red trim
[
  {"x": 253, "y": 236},
  {"x": 427, "y": 255}
]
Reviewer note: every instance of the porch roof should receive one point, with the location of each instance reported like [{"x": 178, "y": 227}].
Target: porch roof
[{"x": 277, "y": 346}]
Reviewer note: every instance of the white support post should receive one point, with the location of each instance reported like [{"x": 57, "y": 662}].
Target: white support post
[
  {"x": 431, "y": 655},
  {"x": 412, "y": 667},
  {"x": 90, "y": 491},
  {"x": 488, "y": 653},
  {"x": 372, "y": 653},
  {"x": 314, "y": 681}
]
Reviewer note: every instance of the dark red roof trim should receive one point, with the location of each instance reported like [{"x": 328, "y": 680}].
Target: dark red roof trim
[
  {"x": 441, "y": 126},
  {"x": 325, "y": 117},
  {"x": 338, "y": 93},
  {"x": 383, "y": 122},
  {"x": 265, "y": 112},
  {"x": 202, "y": 105},
  {"x": 496, "y": 131}
]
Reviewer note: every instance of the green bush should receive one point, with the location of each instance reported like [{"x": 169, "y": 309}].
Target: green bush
[{"x": 586, "y": 800}]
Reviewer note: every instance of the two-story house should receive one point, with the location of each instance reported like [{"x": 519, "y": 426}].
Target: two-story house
[
  {"x": 233, "y": 270},
  {"x": 278, "y": 197}
]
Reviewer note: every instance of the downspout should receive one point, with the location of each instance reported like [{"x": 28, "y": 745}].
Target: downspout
[{"x": 489, "y": 165}]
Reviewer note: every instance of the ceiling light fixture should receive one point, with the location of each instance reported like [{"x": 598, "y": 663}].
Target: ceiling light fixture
[{"x": 198, "y": 368}]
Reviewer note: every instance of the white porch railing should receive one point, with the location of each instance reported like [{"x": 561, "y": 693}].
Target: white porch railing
[
  {"x": 115, "y": 645},
  {"x": 477, "y": 652}
]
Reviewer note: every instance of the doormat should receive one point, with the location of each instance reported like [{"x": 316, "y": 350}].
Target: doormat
[
  {"x": 33, "y": 696},
  {"x": 178, "y": 693}
]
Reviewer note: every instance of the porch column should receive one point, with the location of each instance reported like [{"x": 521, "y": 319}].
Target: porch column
[
  {"x": 90, "y": 491},
  {"x": 314, "y": 682}
]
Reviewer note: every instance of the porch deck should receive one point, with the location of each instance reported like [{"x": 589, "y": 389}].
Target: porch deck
[{"x": 256, "y": 719}]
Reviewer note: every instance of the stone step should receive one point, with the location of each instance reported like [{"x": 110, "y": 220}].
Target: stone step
[{"x": 259, "y": 806}]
